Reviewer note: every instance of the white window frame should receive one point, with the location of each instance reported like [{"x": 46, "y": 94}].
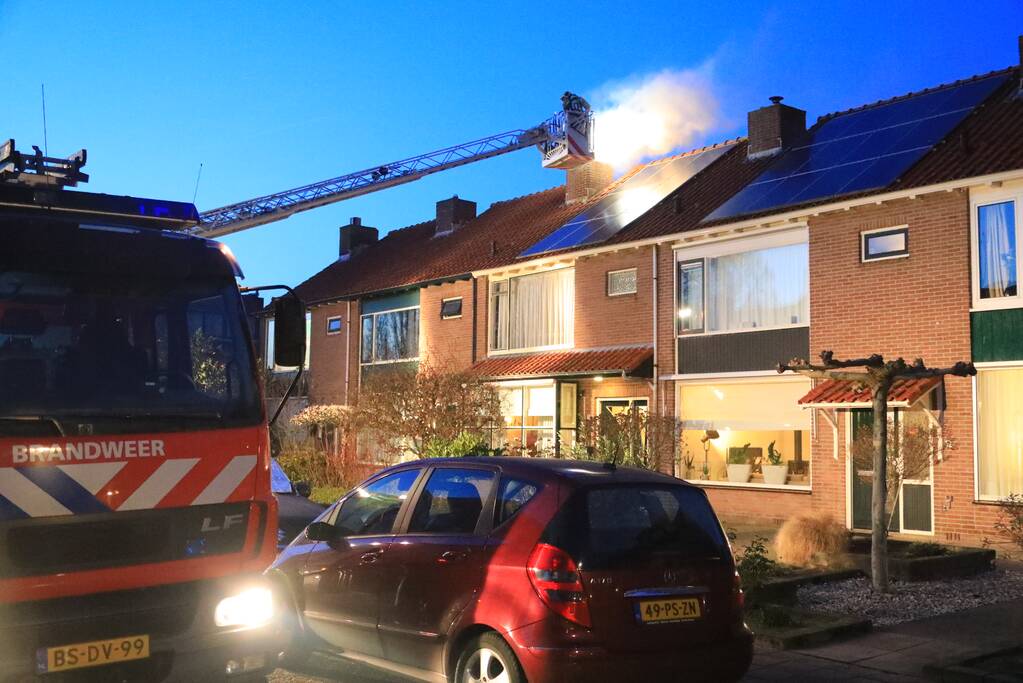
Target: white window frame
[
  {"x": 865, "y": 236},
  {"x": 340, "y": 320},
  {"x": 451, "y": 317},
  {"x": 635, "y": 281},
  {"x": 601, "y": 400},
  {"x": 491, "y": 351},
  {"x": 374, "y": 341},
  {"x": 996, "y": 365},
  {"x": 687, "y": 254},
  {"x": 984, "y": 197}
]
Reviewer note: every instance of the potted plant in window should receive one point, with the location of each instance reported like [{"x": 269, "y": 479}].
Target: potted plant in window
[
  {"x": 775, "y": 470},
  {"x": 739, "y": 466}
]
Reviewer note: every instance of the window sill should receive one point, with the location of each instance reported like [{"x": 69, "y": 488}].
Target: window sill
[
  {"x": 993, "y": 502},
  {"x": 389, "y": 362},
  {"x": 788, "y": 488},
  {"x": 715, "y": 333},
  {"x": 999, "y": 304}
]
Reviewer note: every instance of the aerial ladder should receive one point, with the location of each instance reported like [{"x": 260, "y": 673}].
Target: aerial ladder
[{"x": 565, "y": 141}]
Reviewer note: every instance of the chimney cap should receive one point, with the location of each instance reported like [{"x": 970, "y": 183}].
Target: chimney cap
[
  {"x": 776, "y": 99},
  {"x": 356, "y": 220}
]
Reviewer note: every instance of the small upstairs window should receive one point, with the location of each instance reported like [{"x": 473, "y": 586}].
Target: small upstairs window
[
  {"x": 998, "y": 270},
  {"x": 621, "y": 282},
  {"x": 887, "y": 243},
  {"x": 334, "y": 325},
  {"x": 451, "y": 308}
]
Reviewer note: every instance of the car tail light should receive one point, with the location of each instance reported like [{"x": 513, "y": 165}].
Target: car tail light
[
  {"x": 556, "y": 580},
  {"x": 738, "y": 596}
]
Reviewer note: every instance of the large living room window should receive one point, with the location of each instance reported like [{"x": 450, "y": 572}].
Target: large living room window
[
  {"x": 532, "y": 311},
  {"x": 999, "y": 432},
  {"x": 995, "y": 246},
  {"x": 390, "y": 336},
  {"x": 734, "y": 429},
  {"x": 744, "y": 285}
]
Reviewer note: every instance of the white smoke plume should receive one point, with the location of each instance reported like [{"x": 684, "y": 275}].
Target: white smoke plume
[{"x": 652, "y": 116}]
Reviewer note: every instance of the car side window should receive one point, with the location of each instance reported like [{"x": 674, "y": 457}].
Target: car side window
[
  {"x": 514, "y": 494},
  {"x": 452, "y": 501},
  {"x": 372, "y": 509}
]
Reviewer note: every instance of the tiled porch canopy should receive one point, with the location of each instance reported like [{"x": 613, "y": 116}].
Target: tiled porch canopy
[
  {"x": 833, "y": 395},
  {"x": 842, "y": 393},
  {"x": 633, "y": 361}
]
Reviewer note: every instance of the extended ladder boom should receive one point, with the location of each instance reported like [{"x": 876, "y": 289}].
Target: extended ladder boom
[{"x": 564, "y": 141}]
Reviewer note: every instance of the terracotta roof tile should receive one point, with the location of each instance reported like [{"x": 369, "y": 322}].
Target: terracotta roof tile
[
  {"x": 633, "y": 360},
  {"x": 848, "y": 392},
  {"x": 414, "y": 255}
]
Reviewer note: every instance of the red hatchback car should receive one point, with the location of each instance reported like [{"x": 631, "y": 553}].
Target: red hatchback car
[{"x": 519, "y": 569}]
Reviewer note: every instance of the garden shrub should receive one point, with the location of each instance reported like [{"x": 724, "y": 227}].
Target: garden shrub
[
  {"x": 812, "y": 540},
  {"x": 754, "y": 566},
  {"x": 1010, "y": 520}
]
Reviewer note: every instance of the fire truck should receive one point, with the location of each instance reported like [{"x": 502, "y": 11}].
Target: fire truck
[{"x": 136, "y": 513}]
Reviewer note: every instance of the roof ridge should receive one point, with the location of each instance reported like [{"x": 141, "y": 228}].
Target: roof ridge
[
  {"x": 521, "y": 196},
  {"x": 916, "y": 93},
  {"x": 671, "y": 157}
]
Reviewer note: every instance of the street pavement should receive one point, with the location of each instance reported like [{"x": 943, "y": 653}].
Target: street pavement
[{"x": 896, "y": 654}]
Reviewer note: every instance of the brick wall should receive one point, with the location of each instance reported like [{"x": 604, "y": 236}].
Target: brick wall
[
  {"x": 912, "y": 307},
  {"x": 327, "y": 355},
  {"x": 447, "y": 343},
  {"x": 602, "y": 320}
]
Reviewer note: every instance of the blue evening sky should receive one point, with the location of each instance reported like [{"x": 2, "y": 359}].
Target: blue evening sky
[{"x": 269, "y": 96}]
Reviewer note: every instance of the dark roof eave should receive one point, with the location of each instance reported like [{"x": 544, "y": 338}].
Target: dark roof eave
[{"x": 390, "y": 290}]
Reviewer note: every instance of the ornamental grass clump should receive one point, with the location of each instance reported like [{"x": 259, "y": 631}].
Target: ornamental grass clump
[{"x": 812, "y": 540}]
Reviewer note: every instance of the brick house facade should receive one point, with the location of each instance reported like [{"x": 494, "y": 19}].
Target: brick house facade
[{"x": 627, "y": 301}]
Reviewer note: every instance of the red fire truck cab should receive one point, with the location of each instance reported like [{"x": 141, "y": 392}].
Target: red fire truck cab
[{"x": 135, "y": 507}]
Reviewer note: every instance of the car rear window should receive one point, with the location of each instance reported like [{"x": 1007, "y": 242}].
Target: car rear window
[{"x": 624, "y": 525}]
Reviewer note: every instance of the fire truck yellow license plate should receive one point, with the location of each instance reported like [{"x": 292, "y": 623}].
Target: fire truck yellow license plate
[
  {"x": 95, "y": 653},
  {"x": 674, "y": 609}
]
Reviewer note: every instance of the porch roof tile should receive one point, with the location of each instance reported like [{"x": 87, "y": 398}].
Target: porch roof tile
[
  {"x": 848, "y": 393},
  {"x": 627, "y": 361}
]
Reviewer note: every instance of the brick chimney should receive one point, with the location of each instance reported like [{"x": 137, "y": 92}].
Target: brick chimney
[
  {"x": 774, "y": 128},
  {"x": 582, "y": 182},
  {"x": 453, "y": 213},
  {"x": 355, "y": 237}
]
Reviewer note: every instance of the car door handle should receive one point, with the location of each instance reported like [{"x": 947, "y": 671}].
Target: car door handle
[
  {"x": 371, "y": 556},
  {"x": 452, "y": 556}
]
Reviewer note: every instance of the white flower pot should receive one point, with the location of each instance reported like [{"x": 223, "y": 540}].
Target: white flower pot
[
  {"x": 775, "y": 475},
  {"x": 739, "y": 474}
]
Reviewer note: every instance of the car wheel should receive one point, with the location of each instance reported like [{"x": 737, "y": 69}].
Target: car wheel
[
  {"x": 295, "y": 651},
  {"x": 488, "y": 659}
]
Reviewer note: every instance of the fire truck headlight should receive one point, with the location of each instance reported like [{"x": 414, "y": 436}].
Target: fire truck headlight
[{"x": 248, "y": 609}]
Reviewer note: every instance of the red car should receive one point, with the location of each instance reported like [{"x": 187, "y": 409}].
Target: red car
[{"x": 519, "y": 569}]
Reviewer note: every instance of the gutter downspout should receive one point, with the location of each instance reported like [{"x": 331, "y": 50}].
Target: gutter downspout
[
  {"x": 348, "y": 351},
  {"x": 655, "y": 392},
  {"x": 475, "y": 282}
]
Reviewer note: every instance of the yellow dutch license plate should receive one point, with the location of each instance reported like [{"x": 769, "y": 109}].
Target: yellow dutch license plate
[
  {"x": 95, "y": 653},
  {"x": 669, "y": 609}
]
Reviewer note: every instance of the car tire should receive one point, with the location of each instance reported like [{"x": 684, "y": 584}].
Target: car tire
[
  {"x": 295, "y": 650},
  {"x": 488, "y": 659}
]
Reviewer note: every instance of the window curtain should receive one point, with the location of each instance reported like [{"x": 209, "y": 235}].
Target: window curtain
[
  {"x": 997, "y": 250},
  {"x": 765, "y": 288},
  {"x": 538, "y": 311},
  {"x": 1000, "y": 432}
]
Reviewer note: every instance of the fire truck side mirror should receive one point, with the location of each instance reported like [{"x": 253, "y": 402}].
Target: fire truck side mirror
[{"x": 289, "y": 331}]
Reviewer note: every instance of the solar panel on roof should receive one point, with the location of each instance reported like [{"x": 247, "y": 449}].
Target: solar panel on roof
[
  {"x": 861, "y": 150},
  {"x": 628, "y": 201}
]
